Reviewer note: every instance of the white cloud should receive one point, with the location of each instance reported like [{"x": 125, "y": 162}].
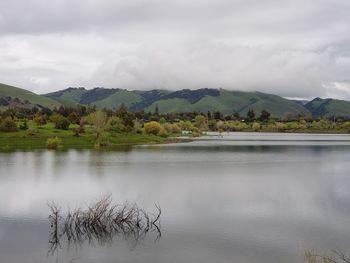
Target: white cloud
[
  {"x": 292, "y": 48},
  {"x": 338, "y": 90}
]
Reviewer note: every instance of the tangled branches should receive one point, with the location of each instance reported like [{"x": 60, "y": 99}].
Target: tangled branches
[
  {"x": 334, "y": 257},
  {"x": 101, "y": 222}
]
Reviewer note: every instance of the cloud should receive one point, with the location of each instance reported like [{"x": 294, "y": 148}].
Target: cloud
[
  {"x": 292, "y": 48},
  {"x": 338, "y": 90}
]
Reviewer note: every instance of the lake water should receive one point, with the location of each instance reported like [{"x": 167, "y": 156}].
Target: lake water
[{"x": 242, "y": 197}]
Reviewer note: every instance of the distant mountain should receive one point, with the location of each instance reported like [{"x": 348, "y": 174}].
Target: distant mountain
[
  {"x": 328, "y": 108},
  {"x": 185, "y": 100},
  {"x": 201, "y": 100},
  {"x": 13, "y": 96}
]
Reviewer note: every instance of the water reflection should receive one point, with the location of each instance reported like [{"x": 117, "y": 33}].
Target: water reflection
[{"x": 223, "y": 201}]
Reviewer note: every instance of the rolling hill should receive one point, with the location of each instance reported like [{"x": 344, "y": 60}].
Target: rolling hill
[
  {"x": 328, "y": 107},
  {"x": 185, "y": 100},
  {"x": 10, "y": 95},
  {"x": 201, "y": 100}
]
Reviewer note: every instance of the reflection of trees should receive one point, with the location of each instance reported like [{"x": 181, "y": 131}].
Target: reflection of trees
[{"x": 100, "y": 223}]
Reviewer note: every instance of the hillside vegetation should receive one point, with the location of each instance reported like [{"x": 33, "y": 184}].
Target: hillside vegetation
[
  {"x": 8, "y": 94},
  {"x": 164, "y": 101},
  {"x": 201, "y": 100},
  {"x": 328, "y": 108}
]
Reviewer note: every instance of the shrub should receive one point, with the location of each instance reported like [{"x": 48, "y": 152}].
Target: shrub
[
  {"x": 186, "y": 126},
  {"x": 256, "y": 126},
  {"x": 212, "y": 125},
  {"x": 220, "y": 126},
  {"x": 196, "y": 134},
  {"x": 163, "y": 132},
  {"x": 8, "y": 125},
  {"x": 24, "y": 125},
  {"x": 53, "y": 143},
  {"x": 201, "y": 122},
  {"x": 62, "y": 123},
  {"x": 74, "y": 118},
  {"x": 172, "y": 128},
  {"x": 152, "y": 127},
  {"x": 31, "y": 132},
  {"x": 39, "y": 119},
  {"x": 55, "y": 117},
  {"x": 102, "y": 141},
  {"x": 116, "y": 124},
  {"x": 162, "y": 120},
  {"x": 281, "y": 127},
  {"x": 292, "y": 125},
  {"x": 137, "y": 126}
]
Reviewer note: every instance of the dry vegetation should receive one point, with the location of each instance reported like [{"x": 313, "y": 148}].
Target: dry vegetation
[
  {"x": 101, "y": 222},
  {"x": 334, "y": 256}
]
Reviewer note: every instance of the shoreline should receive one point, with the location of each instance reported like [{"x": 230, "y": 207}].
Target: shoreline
[{"x": 18, "y": 141}]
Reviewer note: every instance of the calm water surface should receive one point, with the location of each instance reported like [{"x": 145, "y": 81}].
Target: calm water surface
[{"x": 245, "y": 198}]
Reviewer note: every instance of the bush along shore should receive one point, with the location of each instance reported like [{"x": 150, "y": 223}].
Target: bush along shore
[{"x": 86, "y": 127}]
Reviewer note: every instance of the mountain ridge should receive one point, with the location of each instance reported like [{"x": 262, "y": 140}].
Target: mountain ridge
[{"x": 184, "y": 100}]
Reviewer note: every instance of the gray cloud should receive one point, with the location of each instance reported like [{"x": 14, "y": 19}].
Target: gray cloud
[{"x": 292, "y": 48}]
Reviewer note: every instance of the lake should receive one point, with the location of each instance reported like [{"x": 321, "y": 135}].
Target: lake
[{"x": 239, "y": 197}]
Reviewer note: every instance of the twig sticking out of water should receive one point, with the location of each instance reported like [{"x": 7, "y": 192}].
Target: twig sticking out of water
[{"x": 101, "y": 222}]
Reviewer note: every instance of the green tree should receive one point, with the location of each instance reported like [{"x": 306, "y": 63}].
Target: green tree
[
  {"x": 8, "y": 125},
  {"x": 126, "y": 117},
  {"x": 217, "y": 115},
  {"x": 264, "y": 115},
  {"x": 98, "y": 120},
  {"x": 201, "y": 122},
  {"x": 115, "y": 124},
  {"x": 73, "y": 117},
  {"x": 250, "y": 115},
  {"x": 162, "y": 120},
  {"x": 236, "y": 115},
  {"x": 62, "y": 123},
  {"x": 209, "y": 115},
  {"x": 39, "y": 119},
  {"x": 54, "y": 117}
]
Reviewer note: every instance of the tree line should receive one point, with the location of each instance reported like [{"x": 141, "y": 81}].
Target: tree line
[{"x": 122, "y": 120}]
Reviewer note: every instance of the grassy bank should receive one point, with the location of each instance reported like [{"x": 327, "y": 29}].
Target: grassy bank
[{"x": 36, "y": 138}]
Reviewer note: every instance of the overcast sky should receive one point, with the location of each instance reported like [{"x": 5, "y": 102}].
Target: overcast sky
[{"x": 293, "y": 48}]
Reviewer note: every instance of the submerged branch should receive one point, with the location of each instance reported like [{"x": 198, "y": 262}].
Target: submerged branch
[
  {"x": 101, "y": 222},
  {"x": 335, "y": 256}
]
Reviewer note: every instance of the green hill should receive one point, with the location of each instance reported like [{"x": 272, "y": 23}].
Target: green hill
[
  {"x": 25, "y": 97},
  {"x": 233, "y": 101},
  {"x": 201, "y": 100},
  {"x": 68, "y": 97},
  {"x": 328, "y": 108}
]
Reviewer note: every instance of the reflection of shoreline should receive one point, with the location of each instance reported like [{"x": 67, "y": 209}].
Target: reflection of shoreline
[{"x": 100, "y": 223}]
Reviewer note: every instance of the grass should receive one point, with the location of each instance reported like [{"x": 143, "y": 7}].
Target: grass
[
  {"x": 37, "y": 139},
  {"x": 230, "y": 101},
  {"x": 22, "y": 94},
  {"x": 115, "y": 100}
]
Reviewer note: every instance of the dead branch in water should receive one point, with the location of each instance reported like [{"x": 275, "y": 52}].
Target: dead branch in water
[
  {"x": 334, "y": 256},
  {"x": 101, "y": 222}
]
